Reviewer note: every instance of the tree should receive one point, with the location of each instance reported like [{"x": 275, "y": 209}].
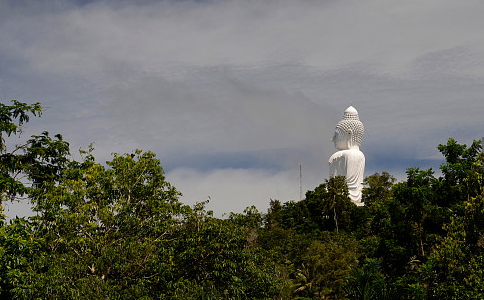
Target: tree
[
  {"x": 326, "y": 265},
  {"x": 368, "y": 283},
  {"x": 461, "y": 189},
  {"x": 454, "y": 266},
  {"x": 12, "y": 162},
  {"x": 22, "y": 166},
  {"x": 31, "y": 163},
  {"x": 329, "y": 205},
  {"x": 457, "y": 183},
  {"x": 378, "y": 188},
  {"x": 108, "y": 228},
  {"x": 453, "y": 271},
  {"x": 218, "y": 259},
  {"x": 119, "y": 232}
]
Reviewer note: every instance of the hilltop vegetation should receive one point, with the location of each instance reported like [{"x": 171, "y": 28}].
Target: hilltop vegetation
[{"x": 118, "y": 231}]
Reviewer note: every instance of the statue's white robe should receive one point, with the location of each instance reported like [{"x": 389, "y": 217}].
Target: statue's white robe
[{"x": 351, "y": 164}]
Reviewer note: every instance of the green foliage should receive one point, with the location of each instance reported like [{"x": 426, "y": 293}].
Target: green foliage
[
  {"x": 452, "y": 270},
  {"x": 330, "y": 204},
  {"x": 217, "y": 254},
  {"x": 19, "y": 251},
  {"x": 458, "y": 182},
  {"x": 422, "y": 238},
  {"x": 309, "y": 239},
  {"x": 368, "y": 282},
  {"x": 121, "y": 233},
  {"x": 118, "y": 231},
  {"x": 13, "y": 163},
  {"x": 12, "y": 117},
  {"x": 326, "y": 208},
  {"x": 326, "y": 265},
  {"x": 378, "y": 188},
  {"x": 104, "y": 227}
]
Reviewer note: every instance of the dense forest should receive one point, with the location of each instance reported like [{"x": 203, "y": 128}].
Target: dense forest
[{"x": 117, "y": 230}]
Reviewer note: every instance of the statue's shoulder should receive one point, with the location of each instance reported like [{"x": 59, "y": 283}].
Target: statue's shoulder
[{"x": 357, "y": 153}]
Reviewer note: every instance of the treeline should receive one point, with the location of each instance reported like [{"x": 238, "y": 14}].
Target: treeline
[
  {"x": 118, "y": 231},
  {"x": 417, "y": 239}
]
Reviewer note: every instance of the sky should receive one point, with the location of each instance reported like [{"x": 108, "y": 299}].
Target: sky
[{"x": 235, "y": 95}]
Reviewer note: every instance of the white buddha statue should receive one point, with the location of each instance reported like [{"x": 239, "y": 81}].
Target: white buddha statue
[{"x": 349, "y": 161}]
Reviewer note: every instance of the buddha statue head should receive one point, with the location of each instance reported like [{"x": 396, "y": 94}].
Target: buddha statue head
[{"x": 349, "y": 131}]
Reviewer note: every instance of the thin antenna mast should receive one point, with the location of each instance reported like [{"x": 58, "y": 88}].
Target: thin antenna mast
[{"x": 300, "y": 182}]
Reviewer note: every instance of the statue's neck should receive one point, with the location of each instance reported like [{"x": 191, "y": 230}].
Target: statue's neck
[{"x": 351, "y": 147}]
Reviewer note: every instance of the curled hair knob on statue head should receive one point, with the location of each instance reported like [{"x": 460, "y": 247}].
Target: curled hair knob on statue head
[{"x": 352, "y": 125}]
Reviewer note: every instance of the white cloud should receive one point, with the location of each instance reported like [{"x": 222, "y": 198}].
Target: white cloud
[
  {"x": 326, "y": 34},
  {"x": 232, "y": 190}
]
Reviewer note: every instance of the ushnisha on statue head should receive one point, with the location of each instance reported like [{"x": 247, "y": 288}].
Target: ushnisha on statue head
[{"x": 349, "y": 131}]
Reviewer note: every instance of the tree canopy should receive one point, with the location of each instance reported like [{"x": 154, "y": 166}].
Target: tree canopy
[{"x": 117, "y": 230}]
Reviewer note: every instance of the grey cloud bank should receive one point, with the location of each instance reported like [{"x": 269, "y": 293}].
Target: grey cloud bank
[{"x": 234, "y": 95}]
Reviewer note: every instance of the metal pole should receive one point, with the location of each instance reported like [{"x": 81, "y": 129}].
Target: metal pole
[{"x": 300, "y": 182}]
